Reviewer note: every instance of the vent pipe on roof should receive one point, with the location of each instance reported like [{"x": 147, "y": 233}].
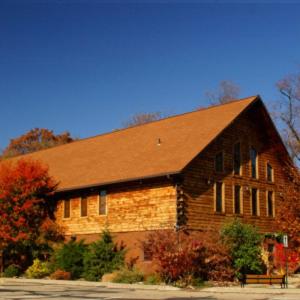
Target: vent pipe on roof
[{"x": 158, "y": 142}]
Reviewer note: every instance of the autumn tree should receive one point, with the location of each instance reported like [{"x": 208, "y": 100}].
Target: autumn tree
[
  {"x": 34, "y": 140},
  {"x": 142, "y": 118},
  {"x": 24, "y": 187},
  {"x": 226, "y": 92},
  {"x": 288, "y": 216},
  {"x": 287, "y": 112}
]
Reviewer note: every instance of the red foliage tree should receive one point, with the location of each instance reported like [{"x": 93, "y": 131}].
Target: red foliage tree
[
  {"x": 288, "y": 216},
  {"x": 182, "y": 257},
  {"x": 24, "y": 187},
  {"x": 280, "y": 257}
]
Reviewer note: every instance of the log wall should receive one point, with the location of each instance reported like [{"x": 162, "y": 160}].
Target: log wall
[
  {"x": 251, "y": 130},
  {"x": 138, "y": 208}
]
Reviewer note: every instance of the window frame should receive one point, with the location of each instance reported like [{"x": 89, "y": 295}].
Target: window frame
[
  {"x": 256, "y": 163},
  {"x": 273, "y": 203},
  {"x": 147, "y": 254},
  {"x": 81, "y": 198},
  {"x": 240, "y": 158},
  {"x": 257, "y": 202},
  {"x": 241, "y": 199},
  {"x": 222, "y": 195},
  {"x": 99, "y": 203},
  {"x": 222, "y": 153},
  {"x": 64, "y": 208},
  {"x": 272, "y": 172}
]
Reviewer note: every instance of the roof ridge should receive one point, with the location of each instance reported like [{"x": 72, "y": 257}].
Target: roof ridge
[{"x": 140, "y": 125}]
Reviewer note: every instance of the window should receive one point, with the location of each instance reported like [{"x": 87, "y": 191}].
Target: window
[
  {"x": 269, "y": 173},
  {"x": 254, "y": 202},
  {"x": 237, "y": 159},
  {"x": 83, "y": 206},
  {"x": 270, "y": 204},
  {"x": 102, "y": 203},
  {"x": 219, "y": 207},
  {"x": 148, "y": 256},
  {"x": 237, "y": 199},
  {"x": 67, "y": 206},
  {"x": 219, "y": 162},
  {"x": 253, "y": 159}
]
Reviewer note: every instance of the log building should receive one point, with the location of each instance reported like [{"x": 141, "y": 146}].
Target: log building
[{"x": 194, "y": 170}]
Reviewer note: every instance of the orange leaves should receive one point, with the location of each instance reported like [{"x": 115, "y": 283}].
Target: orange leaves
[
  {"x": 34, "y": 140},
  {"x": 288, "y": 216},
  {"x": 24, "y": 187}
]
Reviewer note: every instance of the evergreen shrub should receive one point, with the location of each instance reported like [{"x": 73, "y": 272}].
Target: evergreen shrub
[{"x": 103, "y": 256}]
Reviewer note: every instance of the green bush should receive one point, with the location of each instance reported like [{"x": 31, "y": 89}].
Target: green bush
[
  {"x": 152, "y": 279},
  {"x": 69, "y": 258},
  {"x": 128, "y": 276},
  {"x": 39, "y": 269},
  {"x": 244, "y": 243},
  {"x": 102, "y": 257},
  {"x": 12, "y": 271}
]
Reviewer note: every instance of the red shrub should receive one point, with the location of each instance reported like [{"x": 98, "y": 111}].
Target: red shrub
[
  {"x": 61, "y": 275},
  {"x": 293, "y": 259},
  {"x": 181, "y": 256}
]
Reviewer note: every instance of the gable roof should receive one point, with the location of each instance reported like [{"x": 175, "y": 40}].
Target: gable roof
[{"x": 153, "y": 149}]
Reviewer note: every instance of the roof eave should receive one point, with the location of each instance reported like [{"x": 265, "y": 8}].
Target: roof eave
[{"x": 127, "y": 180}]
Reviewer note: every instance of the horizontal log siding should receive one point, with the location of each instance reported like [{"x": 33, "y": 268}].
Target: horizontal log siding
[
  {"x": 249, "y": 130},
  {"x": 135, "y": 209}
]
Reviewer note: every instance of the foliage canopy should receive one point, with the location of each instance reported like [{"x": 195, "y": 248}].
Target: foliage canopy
[
  {"x": 24, "y": 187},
  {"x": 34, "y": 140},
  {"x": 244, "y": 243}
]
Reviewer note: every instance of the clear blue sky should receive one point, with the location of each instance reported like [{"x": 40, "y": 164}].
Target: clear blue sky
[{"x": 87, "y": 66}]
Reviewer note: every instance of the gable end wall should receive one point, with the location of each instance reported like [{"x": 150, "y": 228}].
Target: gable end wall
[{"x": 199, "y": 176}]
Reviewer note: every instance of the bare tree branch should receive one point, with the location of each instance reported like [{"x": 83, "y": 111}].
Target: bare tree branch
[
  {"x": 227, "y": 91},
  {"x": 142, "y": 118},
  {"x": 288, "y": 112}
]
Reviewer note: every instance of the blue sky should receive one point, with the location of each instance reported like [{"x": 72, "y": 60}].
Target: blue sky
[{"x": 87, "y": 66}]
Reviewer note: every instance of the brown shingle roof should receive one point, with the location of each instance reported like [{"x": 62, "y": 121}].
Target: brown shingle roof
[{"x": 134, "y": 153}]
